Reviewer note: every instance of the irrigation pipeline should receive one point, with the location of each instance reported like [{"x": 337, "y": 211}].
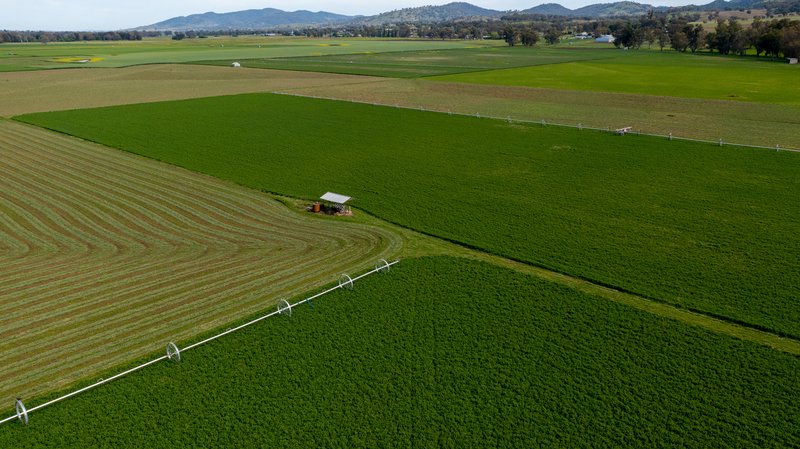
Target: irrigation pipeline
[
  {"x": 543, "y": 122},
  {"x": 22, "y": 413}
]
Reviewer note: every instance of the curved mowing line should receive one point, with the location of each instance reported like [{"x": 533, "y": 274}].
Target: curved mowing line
[
  {"x": 176, "y": 214},
  {"x": 163, "y": 185},
  {"x": 137, "y": 280},
  {"x": 257, "y": 275},
  {"x": 75, "y": 197},
  {"x": 61, "y": 219},
  {"x": 194, "y": 196},
  {"x": 114, "y": 253},
  {"x": 180, "y": 304}
]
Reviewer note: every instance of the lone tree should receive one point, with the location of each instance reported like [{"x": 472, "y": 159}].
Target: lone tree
[
  {"x": 696, "y": 36},
  {"x": 510, "y": 36},
  {"x": 552, "y": 36},
  {"x": 529, "y": 37},
  {"x": 662, "y": 37}
]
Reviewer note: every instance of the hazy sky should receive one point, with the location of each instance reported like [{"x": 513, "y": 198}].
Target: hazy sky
[{"x": 112, "y": 14}]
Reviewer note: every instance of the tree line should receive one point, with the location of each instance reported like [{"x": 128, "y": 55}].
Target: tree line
[{"x": 72, "y": 36}]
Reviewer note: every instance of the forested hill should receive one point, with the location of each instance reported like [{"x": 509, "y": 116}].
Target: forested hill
[
  {"x": 270, "y": 18},
  {"x": 431, "y": 14},
  {"x": 249, "y": 19}
]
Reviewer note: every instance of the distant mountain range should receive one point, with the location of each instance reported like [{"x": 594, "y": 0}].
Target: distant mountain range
[
  {"x": 250, "y": 19},
  {"x": 431, "y": 14},
  {"x": 268, "y": 18},
  {"x": 596, "y": 10}
]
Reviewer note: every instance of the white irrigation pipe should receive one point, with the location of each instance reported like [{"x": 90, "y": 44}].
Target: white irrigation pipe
[
  {"x": 548, "y": 123},
  {"x": 386, "y": 265},
  {"x": 76, "y": 392}
]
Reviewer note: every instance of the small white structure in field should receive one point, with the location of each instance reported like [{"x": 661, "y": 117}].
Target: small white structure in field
[
  {"x": 623, "y": 131},
  {"x": 605, "y": 39},
  {"x": 338, "y": 202},
  {"x": 335, "y": 198},
  {"x": 236, "y": 64},
  {"x": 791, "y": 60}
]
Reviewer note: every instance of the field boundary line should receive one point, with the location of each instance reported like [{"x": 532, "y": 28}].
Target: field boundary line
[
  {"x": 547, "y": 122},
  {"x": 23, "y": 413}
]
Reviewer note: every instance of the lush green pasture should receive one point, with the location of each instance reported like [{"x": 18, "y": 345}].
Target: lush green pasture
[
  {"x": 36, "y": 56},
  {"x": 444, "y": 353},
  {"x": 705, "y": 227},
  {"x": 656, "y": 73},
  {"x": 408, "y": 64}
]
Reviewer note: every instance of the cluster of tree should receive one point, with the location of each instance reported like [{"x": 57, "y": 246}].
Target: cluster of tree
[
  {"x": 529, "y": 36},
  {"x": 487, "y": 29},
  {"x": 72, "y": 36},
  {"x": 772, "y": 38}
]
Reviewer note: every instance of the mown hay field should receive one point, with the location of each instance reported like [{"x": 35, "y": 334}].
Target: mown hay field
[
  {"x": 700, "y": 226},
  {"x": 444, "y": 352},
  {"x": 106, "y": 256},
  {"x": 51, "y": 90}
]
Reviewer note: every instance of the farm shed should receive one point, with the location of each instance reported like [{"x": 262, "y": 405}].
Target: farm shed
[
  {"x": 335, "y": 204},
  {"x": 606, "y": 39}
]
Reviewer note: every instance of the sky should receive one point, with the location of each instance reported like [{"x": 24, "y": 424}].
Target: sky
[{"x": 85, "y": 15}]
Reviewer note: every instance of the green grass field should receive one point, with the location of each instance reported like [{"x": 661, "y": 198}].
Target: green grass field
[
  {"x": 696, "y": 225},
  {"x": 106, "y": 255},
  {"x": 14, "y": 57},
  {"x": 444, "y": 352},
  {"x": 413, "y": 64},
  {"x": 654, "y": 73}
]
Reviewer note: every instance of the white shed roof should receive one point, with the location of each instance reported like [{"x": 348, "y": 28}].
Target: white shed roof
[{"x": 335, "y": 198}]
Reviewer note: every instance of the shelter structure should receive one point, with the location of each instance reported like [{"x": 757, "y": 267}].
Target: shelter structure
[
  {"x": 336, "y": 203},
  {"x": 236, "y": 64}
]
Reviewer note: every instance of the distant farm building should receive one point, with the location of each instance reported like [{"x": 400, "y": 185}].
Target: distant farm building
[
  {"x": 236, "y": 64},
  {"x": 583, "y": 35},
  {"x": 791, "y": 60},
  {"x": 605, "y": 39}
]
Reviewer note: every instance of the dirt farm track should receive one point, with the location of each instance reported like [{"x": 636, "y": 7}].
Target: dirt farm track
[{"x": 106, "y": 256}]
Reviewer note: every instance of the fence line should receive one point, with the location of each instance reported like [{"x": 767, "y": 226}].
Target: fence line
[
  {"x": 544, "y": 122},
  {"x": 22, "y": 412}
]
